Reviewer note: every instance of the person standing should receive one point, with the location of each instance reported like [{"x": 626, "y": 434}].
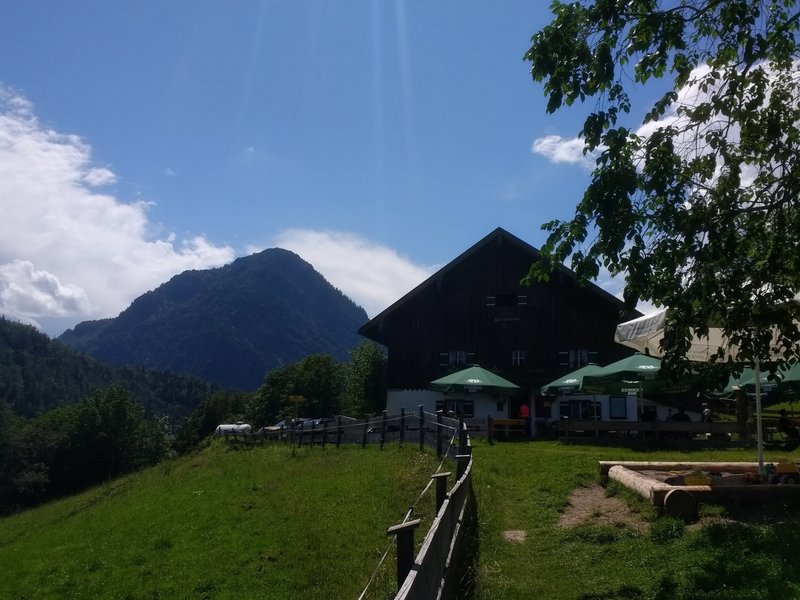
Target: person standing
[
  {"x": 525, "y": 413},
  {"x": 706, "y": 416}
]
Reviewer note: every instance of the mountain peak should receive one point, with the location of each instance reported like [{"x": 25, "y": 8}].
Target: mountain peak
[{"x": 229, "y": 325}]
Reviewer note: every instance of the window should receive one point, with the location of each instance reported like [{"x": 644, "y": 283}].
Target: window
[
  {"x": 618, "y": 407},
  {"x": 575, "y": 359},
  {"x": 457, "y": 406},
  {"x": 505, "y": 300},
  {"x": 456, "y": 358},
  {"x": 468, "y": 409},
  {"x": 584, "y": 409},
  {"x": 518, "y": 358}
]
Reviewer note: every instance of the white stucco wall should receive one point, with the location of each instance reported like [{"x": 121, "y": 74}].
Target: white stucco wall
[{"x": 485, "y": 404}]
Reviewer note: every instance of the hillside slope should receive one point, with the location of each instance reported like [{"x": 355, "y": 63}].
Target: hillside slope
[
  {"x": 222, "y": 523},
  {"x": 38, "y": 374},
  {"x": 229, "y": 325}
]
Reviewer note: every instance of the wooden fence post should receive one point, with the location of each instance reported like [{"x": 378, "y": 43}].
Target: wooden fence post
[
  {"x": 439, "y": 433},
  {"x": 402, "y": 425},
  {"x": 462, "y": 436},
  {"x": 421, "y": 428},
  {"x": 338, "y": 431},
  {"x": 383, "y": 428},
  {"x": 489, "y": 428},
  {"x": 441, "y": 488},
  {"x": 461, "y": 465},
  {"x": 364, "y": 435},
  {"x": 312, "y": 433},
  {"x": 404, "y": 533},
  {"x": 324, "y": 432}
]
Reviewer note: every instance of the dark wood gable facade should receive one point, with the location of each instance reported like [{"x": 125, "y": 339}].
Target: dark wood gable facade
[{"x": 474, "y": 311}]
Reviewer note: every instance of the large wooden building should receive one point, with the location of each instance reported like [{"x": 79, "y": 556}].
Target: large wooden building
[{"x": 476, "y": 311}]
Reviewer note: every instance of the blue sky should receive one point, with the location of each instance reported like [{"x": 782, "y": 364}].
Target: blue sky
[{"x": 378, "y": 140}]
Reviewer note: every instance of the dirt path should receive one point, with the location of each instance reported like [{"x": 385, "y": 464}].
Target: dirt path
[{"x": 589, "y": 504}]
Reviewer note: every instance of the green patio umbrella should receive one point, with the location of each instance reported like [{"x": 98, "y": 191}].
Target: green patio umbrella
[
  {"x": 474, "y": 379},
  {"x": 570, "y": 382},
  {"x": 789, "y": 375},
  {"x": 634, "y": 375},
  {"x": 789, "y": 386},
  {"x": 646, "y": 333},
  {"x": 747, "y": 380}
]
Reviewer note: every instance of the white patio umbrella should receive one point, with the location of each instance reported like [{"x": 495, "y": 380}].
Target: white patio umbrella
[{"x": 645, "y": 335}]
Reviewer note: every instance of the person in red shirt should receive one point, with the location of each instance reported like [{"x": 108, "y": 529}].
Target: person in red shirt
[{"x": 525, "y": 413}]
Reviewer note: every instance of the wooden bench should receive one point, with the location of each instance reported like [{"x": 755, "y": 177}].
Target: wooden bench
[{"x": 508, "y": 426}]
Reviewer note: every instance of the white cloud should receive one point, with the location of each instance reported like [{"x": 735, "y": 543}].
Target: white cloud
[
  {"x": 570, "y": 151},
  {"x": 372, "y": 275},
  {"x": 65, "y": 249},
  {"x": 559, "y": 150},
  {"x": 689, "y": 142},
  {"x": 30, "y": 293}
]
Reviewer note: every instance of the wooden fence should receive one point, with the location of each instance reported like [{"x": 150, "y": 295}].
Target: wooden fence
[
  {"x": 437, "y": 570},
  {"x": 426, "y": 429},
  {"x": 656, "y": 429}
]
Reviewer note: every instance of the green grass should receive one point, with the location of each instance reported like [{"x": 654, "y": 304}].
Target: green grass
[
  {"x": 526, "y": 486},
  {"x": 230, "y": 522},
  {"x": 224, "y": 522}
]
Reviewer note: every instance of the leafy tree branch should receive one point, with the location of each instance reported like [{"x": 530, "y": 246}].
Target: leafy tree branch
[{"x": 695, "y": 202}]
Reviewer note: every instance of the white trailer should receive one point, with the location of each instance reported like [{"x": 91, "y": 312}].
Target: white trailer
[{"x": 237, "y": 428}]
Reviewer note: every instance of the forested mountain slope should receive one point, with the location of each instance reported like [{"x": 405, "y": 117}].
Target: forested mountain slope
[
  {"x": 38, "y": 374},
  {"x": 229, "y": 325}
]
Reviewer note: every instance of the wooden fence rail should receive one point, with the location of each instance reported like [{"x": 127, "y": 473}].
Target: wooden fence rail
[
  {"x": 436, "y": 570},
  {"x": 433, "y": 430},
  {"x": 656, "y": 428}
]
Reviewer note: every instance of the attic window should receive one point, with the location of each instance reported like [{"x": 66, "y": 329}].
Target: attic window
[
  {"x": 504, "y": 300},
  {"x": 518, "y": 358},
  {"x": 456, "y": 358},
  {"x": 574, "y": 359}
]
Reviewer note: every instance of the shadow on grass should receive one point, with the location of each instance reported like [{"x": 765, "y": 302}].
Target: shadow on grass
[
  {"x": 756, "y": 559},
  {"x": 787, "y": 445},
  {"x": 469, "y": 554},
  {"x": 775, "y": 512}
]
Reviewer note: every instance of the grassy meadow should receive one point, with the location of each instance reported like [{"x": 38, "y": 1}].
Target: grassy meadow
[
  {"x": 224, "y": 522},
  {"x": 255, "y": 522},
  {"x": 526, "y": 486}
]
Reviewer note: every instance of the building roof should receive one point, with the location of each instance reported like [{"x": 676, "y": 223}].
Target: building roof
[{"x": 499, "y": 236}]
